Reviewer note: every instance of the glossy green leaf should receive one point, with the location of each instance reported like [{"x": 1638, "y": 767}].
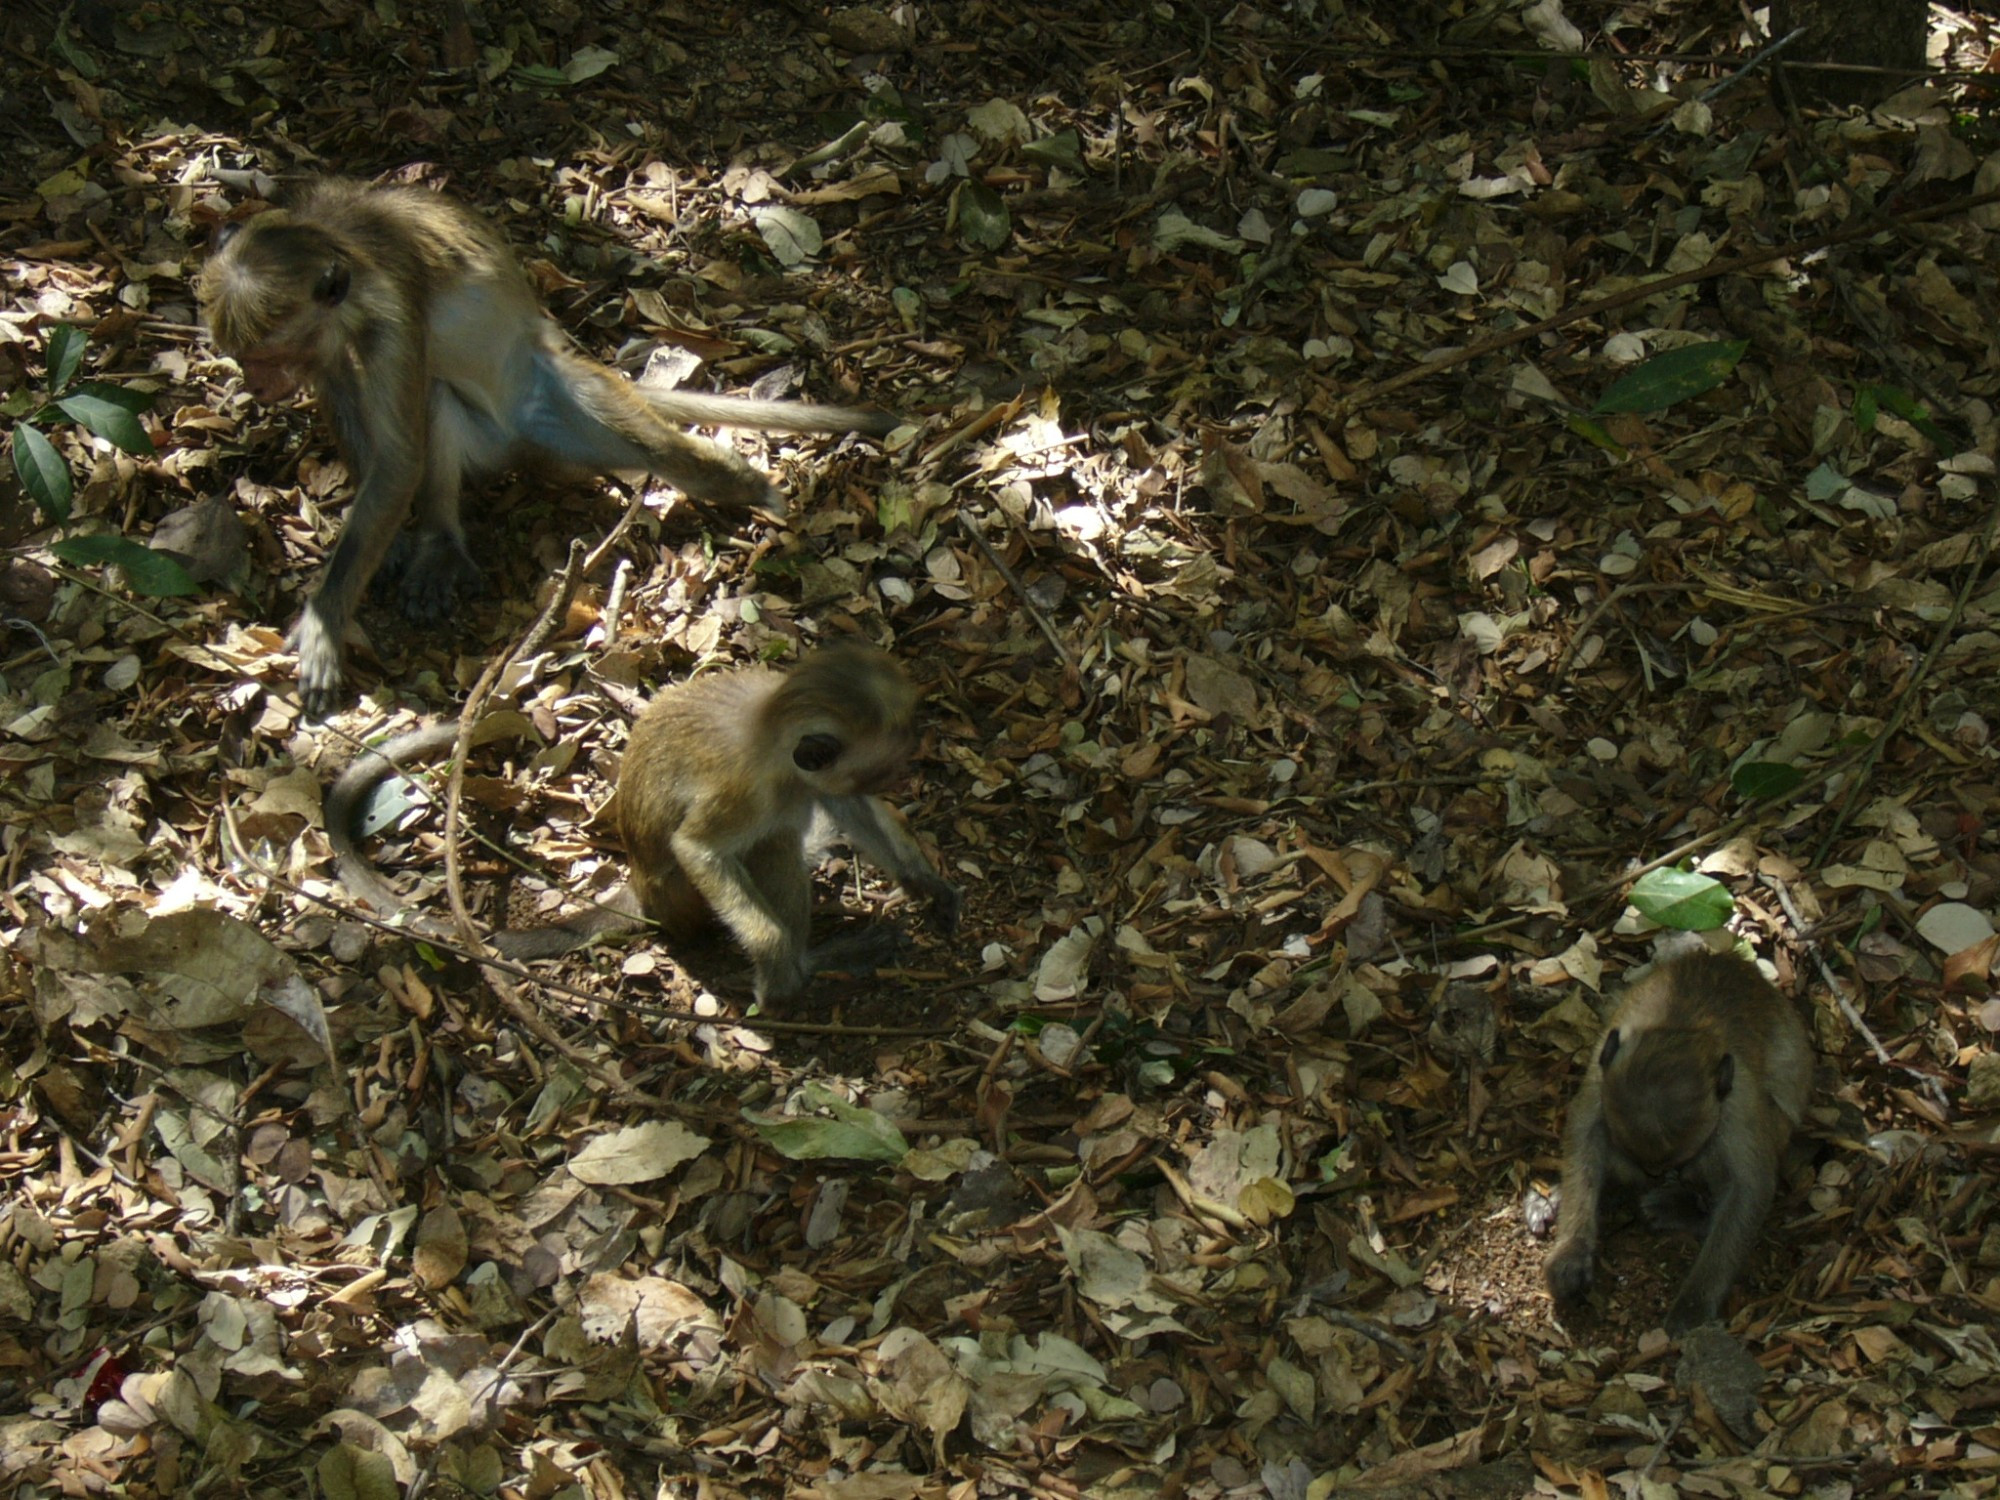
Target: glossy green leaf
[
  {"x": 66, "y": 346},
  {"x": 153, "y": 575},
  {"x": 42, "y": 472},
  {"x": 1682, "y": 900},
  {"x": 110, "y": 420},
  {"x": 1660, "y": 382},
  {"x": 1765, "y": 778}
]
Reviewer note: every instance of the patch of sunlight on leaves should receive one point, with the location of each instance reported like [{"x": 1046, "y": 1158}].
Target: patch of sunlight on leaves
[{"x": 638, "y": 1153}]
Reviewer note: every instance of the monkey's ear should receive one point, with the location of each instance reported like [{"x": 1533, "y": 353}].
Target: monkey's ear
[
  {"x": 1725, "y": 1075},
  {"x": 1609, "y": 1051},
  {"x": 331, "y": 288},
  {"x": 815, "y": 752}
]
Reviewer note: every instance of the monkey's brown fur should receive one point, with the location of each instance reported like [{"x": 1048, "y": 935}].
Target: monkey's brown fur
[
  {"x": 1697, "y": 1085},
  {"x": 434, "y": 362},
  {"x": 719, "y": 795}
]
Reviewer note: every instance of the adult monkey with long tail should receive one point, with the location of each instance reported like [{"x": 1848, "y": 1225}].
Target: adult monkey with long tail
[{"x": 435, "y": 362}]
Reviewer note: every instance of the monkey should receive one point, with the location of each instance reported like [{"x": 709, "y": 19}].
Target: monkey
[
  {"x": 1700, "y": 1078},
  {"x": 728, "y": 783},
  {"x": 435, "y": 362}
]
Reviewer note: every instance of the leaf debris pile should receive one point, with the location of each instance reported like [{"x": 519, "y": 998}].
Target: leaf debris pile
[{"x": 1313, "y": 660}]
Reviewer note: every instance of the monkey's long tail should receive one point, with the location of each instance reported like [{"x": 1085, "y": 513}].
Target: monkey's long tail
[
  {"x": 690, "y": 407},
  {"x": 344, "y": 800}
]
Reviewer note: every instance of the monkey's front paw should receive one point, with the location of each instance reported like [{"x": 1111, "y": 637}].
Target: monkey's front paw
[
  {"x": 947, "y": 901},
  {"x": 320, "y": 680},
  {"x": 1570, "y": 1269}
]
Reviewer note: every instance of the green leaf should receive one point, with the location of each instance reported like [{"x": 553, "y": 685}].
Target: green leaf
[
  {"x": 1593, "y": 432},
  {"x": 66, "y": 345},
  {"x": 539, "y": 76},
  {"x": 109, "y": 420},
  {"x": 1765, "y": 778},
  {"x": 1063, "y": 149},
  {"x": 348, "y": 1471},
  {"x": 153, "y": 575},
  {"x": 1659, "y": 382},
  {"x": 135, "y": 401},
  {"x": 1682, "y": 900},
  {"x": 982, "y": 217},
  {"x": 1904, "y": 405},
  {"x": 587, "y": 63},
  {"x": 1898, "y": 400},
  {"x": 852, "y": 1132},
  {"x": 893, "y": 508},
  {"x": 42, "y": 472}
]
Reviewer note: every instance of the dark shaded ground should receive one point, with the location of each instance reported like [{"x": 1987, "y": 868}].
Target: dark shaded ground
[{"x": 1274, "y": 682}]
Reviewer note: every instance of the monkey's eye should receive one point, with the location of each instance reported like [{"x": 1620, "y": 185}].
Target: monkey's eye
[
  {"x": 332, "y": 287},
  {"x": 815, "y": 752}
]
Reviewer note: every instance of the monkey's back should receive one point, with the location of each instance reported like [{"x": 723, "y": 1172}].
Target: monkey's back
[
  {"x": 690, "y": 766},
  {"x": 429, "y": 236},
  {"x": 1723, "y": 998}
]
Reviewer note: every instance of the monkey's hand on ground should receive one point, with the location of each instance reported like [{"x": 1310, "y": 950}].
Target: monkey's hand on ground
[
  {"x": 1570, "y": 1270},
  {"x": 947, "y": 902},
  {"x": 1539, "y": 1210},
  {"x": 318, "y": 643}
]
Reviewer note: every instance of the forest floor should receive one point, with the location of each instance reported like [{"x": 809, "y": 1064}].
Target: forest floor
[{"x": 1324, "y": 615}]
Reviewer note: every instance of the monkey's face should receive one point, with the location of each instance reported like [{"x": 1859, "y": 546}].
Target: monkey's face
[
  {"x": 887, "y": 768},
  {"x": 271, "y": 296},
  {"x": 1660, "y": 1118},
  {"x": 867, "y": 766},
  {"x": 272, "y": 374}
]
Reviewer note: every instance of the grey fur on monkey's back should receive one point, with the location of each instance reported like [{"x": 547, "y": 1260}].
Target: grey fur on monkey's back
[{"x": 1703, "y": 989}]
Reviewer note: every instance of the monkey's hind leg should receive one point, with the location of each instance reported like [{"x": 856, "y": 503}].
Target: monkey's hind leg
[
  {"x": 429, "y": 567},
  {"x": 425, "y": 576},
  {"x": 585, "y": 416}
]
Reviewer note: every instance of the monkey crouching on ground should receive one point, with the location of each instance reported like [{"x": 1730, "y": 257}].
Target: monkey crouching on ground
[
  {"x": 435, "y": 362},
  {"x": 725, "y": 786},
  {"x": 1692, "y": 1095},
  {"x": 721, "y": 786}
]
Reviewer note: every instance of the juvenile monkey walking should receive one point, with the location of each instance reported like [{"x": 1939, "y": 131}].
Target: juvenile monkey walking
[
  {"x": 435, "y": 362},
  {"x": 1702, "y": 1075},
  {"x": 722, "y": 786}
]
